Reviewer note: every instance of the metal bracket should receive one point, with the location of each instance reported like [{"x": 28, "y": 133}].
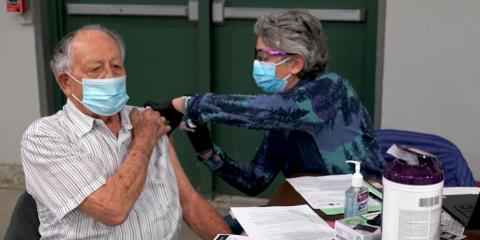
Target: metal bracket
[
  {"x": 190, "y": 10},
  {"x": 220, "y": 13},
  {"x": 193, "y": 10},
  {"x": 217, "y": 11}
]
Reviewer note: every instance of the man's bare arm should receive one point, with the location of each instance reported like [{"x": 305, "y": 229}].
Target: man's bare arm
[
  {"x": 197, "y": 212},
  {"x": 112, "y": 203}
]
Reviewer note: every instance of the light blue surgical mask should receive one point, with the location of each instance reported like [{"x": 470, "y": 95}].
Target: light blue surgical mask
[
  {"x": 265, "y": 76},
  {"x": 105, "y": 96}
]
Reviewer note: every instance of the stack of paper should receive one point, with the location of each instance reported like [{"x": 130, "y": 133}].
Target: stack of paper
[
  {"x": 230, "y": 237},
  {"x": 283, "y": 223},
  {"x": 327, "y": 193},
  {"x": 460, "y": 190}
]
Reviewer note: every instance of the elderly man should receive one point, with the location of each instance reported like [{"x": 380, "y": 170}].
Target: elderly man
[{"x": 99, "y": 169}]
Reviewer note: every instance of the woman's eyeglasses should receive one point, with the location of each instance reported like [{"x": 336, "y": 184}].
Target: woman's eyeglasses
[{"x": 265, "y": 53}]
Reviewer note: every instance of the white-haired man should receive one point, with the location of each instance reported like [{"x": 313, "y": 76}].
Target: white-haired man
[{"x": 99, "y": 169}]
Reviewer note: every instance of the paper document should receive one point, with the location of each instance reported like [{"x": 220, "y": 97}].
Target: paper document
[
  {"x": 230, "y": 237},
  {"x": 460, "y": 190},
  {"x": 282, "y": 223},
  {"x": 327, "y": 193},
  {"x": 449, "y": 225}
]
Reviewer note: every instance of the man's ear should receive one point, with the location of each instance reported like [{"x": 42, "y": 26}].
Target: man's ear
[
  {"x": 64, "y": 83},
  {"x": 296, "y": 65}
]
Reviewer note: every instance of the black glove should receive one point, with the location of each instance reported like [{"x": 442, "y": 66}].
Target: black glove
[
  {"x": 167, "y": 110},
  {"x": 200, "y": 137}
]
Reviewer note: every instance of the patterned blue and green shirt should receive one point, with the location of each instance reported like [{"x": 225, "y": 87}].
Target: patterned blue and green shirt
[{"x": 313, "y": 128}]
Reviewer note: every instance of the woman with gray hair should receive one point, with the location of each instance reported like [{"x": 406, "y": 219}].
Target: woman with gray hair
[{"x": 314, "y": 119}]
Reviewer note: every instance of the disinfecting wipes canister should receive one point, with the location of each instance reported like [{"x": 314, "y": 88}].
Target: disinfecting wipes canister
[
  {"x": 412, "y": 198},
  {"x": 411, "y": 212}
]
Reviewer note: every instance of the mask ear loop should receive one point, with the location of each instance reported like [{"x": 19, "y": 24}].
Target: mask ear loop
[
  {"x": 76, "y": 80},
  {"x": 287, "y": 77},
  {"x": 283, "y": 61}
]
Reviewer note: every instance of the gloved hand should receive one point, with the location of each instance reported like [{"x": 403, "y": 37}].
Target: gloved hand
[
  {"x": 199, "y": 137},
  {"x": 167, "y": 110}
]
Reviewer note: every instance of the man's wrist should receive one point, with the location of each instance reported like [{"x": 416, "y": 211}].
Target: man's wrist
[{"x": 142, "y": 147}]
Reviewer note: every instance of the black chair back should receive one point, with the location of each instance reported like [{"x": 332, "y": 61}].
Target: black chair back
[{"x": 24, "y": 222}]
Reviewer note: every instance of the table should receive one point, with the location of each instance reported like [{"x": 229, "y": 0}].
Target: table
[{"x": 286, "y": 195}]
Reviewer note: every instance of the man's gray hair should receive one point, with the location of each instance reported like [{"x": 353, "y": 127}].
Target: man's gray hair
[
  {"x": 295, "y": 32},
  {"x": 62, "y": 54}
]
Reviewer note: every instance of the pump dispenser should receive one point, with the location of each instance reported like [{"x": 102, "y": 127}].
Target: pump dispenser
[
  {"x": 356, "y": 196},
  {"x": 357, "y": 178}
]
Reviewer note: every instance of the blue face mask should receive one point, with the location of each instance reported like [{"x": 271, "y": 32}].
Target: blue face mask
[
  {"x": 104, "y": 97},
  {"x": 265, "y": 76}
]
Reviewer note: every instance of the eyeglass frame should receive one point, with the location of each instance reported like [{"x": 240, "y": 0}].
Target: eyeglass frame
[{"x": 270, "y": 52}]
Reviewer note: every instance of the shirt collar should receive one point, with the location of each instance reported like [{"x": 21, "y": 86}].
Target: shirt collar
[
  {"x": 125, "y": 118},
  {"x": 84, "y": 123}
]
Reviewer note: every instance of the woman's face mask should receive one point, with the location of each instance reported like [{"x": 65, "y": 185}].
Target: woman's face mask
[
  {"x": 265, "y": 76},
  {"x": 105, "y": 96}
]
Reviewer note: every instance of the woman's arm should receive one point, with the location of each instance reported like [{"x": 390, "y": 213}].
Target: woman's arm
[
  {"x": 290, "y": 110},
  {"x": 276, "y": 111},
  {"x": 252, "y": 178}
]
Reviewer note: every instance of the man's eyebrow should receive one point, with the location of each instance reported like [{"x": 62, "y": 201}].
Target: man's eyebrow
[
  {"x": 100, "y": 61},
  {"x": 93, "y": 61}
]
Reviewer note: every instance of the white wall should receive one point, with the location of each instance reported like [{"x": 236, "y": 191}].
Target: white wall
[
  {"x": 431, "y": 80},
  {"x": 19, "y": 101}
]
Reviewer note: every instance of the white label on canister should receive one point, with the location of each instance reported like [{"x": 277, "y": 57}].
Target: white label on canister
[
  {"x": 411, "y": 211},
  {"x": 419, "y": 224}
]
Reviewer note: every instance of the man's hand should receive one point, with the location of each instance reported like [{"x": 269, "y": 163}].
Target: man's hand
[
  {"x": 148, "y": 126},
  {"x": 167, "y": 110}
]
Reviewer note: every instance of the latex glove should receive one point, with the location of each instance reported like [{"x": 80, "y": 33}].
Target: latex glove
[
  {"x": 167, "y": 110},
  {"x": 199, "y": 136}
]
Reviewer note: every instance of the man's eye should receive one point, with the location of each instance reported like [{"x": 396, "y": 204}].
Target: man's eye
[{"x": 94, "y": 69}]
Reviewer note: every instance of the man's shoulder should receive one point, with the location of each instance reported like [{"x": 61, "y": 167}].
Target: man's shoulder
[
  {"x": 128, "y": 108},
  {"x": 51, "y": 125}
]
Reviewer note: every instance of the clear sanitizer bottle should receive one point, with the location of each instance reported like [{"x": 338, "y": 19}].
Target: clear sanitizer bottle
[{"x": 356, "y": 196}]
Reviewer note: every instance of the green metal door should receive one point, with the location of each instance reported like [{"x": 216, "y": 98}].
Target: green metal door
[{"x": 177, "y": 47}]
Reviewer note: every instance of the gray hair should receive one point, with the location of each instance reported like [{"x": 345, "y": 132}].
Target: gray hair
[
  {"x": 62, "y": 54},
  {"x": 295, "y": 32}
]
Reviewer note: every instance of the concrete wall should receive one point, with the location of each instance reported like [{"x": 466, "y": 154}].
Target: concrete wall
[
  {"x": 19, "y": 101},
  {"x": 431, "y": 79}
]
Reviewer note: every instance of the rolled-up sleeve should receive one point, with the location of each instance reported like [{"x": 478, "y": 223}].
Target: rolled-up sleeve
[{"x": 57, "y": 172}]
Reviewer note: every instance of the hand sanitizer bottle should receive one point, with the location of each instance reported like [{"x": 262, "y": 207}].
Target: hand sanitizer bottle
[{"x": 356, "y": 196}]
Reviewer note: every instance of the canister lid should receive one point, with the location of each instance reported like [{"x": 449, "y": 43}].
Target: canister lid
[{"x": 428, "y": 171}]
